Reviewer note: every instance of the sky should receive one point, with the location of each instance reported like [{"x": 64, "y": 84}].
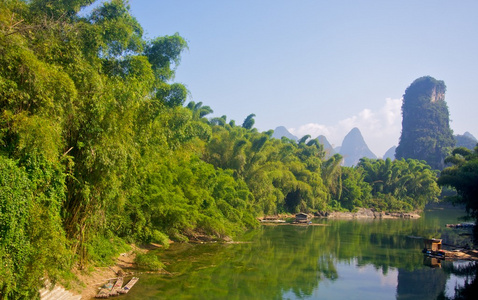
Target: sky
[{"x": 322, "y": 67}]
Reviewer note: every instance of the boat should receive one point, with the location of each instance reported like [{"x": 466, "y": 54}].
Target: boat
[
  {"x": 302, "y": 218},
  {"x": 129, "y": 285}
]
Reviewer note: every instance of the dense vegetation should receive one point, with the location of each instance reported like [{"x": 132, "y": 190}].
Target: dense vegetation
[
  {"x": 426, "y": 133},
  {"x": 462, "y": 176},
  {"x": 98, "y": 149}
]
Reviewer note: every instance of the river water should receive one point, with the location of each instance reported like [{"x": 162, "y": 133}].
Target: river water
[{"x": 332, "y": 259}]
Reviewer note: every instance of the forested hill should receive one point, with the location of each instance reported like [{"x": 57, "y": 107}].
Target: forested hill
[{"x": 98, "y": 149}]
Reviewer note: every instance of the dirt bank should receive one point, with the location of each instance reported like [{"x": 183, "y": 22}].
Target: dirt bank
[{"x": 90, "y": 281}]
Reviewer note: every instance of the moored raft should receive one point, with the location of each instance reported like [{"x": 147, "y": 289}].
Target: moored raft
[
  {"x": 461, "y": 225},
  {"x": 117, "y": 287},
  {"x": 105, "y": 290},
  {"x": 129, "y": 285}
]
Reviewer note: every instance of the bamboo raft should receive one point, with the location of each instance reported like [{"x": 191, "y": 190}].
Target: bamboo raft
[
  {"x": 105, "y": 290},
  {"x": 117, "y": 287},
  {"x": 129, "y": 285},
  {"x": 114, "y": 290}
]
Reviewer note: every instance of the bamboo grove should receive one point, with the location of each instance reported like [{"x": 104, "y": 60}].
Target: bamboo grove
[{"x": 98, "y": 149}]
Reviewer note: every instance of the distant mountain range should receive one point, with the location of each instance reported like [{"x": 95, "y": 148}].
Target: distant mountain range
[{"x": 353, "y": 146}]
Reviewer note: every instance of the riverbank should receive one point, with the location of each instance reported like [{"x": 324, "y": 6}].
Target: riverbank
[
  {"x": 365, "y": 213},
  {"x": 362, "y": 213},
  {"x": 88, "y": 282}
]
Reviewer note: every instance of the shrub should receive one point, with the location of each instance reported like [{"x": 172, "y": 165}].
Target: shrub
[{"x": 148, "y": 261}]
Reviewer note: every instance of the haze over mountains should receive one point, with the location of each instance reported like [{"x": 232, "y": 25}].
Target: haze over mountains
[
  {"x": 281, "y": 131},
  {"x": 329, "y": 150},
  {"x": 352, "y": 149},
  {"x": 390, "y": 153},
  {"x": 466, "y": 140},
  {"x": 354, "y": 146}
]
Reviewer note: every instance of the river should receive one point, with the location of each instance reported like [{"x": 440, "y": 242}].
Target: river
[{"x": 334, "y": 259}]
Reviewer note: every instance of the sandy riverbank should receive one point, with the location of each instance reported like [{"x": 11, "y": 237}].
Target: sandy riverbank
[{"x": 90, "y": 281}]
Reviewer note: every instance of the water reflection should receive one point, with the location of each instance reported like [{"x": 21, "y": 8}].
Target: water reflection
[
  {"x": 336, "y": 260},
  {"x": 426, "y": 283}
]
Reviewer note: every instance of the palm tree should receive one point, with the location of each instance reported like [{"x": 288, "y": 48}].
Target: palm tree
[
  {"x": 249, "y": 121},
  {"x": 199, "y": 111},
  {"x": 331, "y": 175}
]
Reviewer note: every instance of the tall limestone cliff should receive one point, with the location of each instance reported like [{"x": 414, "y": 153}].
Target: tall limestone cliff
[
  {"x": 426, "y": 133},
  {"x": 354, "y": 148}
]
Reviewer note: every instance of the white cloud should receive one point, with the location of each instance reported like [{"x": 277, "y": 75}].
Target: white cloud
[{"x": 380, "y": 128}]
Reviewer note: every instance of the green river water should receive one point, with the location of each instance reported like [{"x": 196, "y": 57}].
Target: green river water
[{"x": 336, "y": 259}]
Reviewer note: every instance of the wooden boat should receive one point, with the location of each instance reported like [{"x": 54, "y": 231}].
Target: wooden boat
[
  {"x": 302, "y": 218},
  {"x": 117, "y": 287},
  {"x": 105, "y": 290},
  {"x": 129, "y": 285}
]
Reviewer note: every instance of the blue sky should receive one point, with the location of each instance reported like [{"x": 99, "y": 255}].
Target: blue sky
[{"x": 322, "y": 67}]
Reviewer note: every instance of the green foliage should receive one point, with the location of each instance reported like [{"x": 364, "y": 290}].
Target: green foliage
[
  {"x": 32, "y": 240},
  {"x": 15, "y": 204},
  {"x": 103, "y": 247},
  {"x": 164, "y": 54},
  {"x": 282, "y": 176},
  {"x": 399, "y": 184},
  {"x": 249, "y": 121},
  {"x": 331, "y": 174},
  {"x": 462, "y": 176},
  {"x": 148, "y": 261},
  {"x": 355, "y": 191}
]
